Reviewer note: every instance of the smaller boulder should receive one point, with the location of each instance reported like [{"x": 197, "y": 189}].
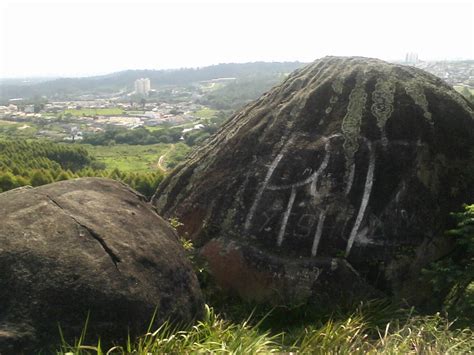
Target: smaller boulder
[{"x": 87, "y": 246}]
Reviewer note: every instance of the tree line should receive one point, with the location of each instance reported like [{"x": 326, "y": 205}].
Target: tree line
[
  {"x": 143, "y": 136},
  {"x": 37, "y": 163},
  {"x": 64, "y": 88}
]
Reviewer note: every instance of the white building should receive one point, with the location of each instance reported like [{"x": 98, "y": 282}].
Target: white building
[
  {"x": 29, "y": 109},
  {"x": 3, "y": 111},
  {"x": 152, "y": 115},
  {"x": 411, "y": 58},
  {"x": 142, "y": 86}
]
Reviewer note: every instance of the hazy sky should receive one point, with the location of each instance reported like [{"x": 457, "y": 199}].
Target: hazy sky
[{"x": 75, "y": 38}]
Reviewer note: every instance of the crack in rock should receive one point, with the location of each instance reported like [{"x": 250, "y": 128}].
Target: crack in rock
[{"x": 114, "y": 257}]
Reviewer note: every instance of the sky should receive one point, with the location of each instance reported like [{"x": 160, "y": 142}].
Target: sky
[{"x": 90, "y": 37}]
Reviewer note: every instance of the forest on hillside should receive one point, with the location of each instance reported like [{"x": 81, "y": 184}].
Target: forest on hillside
[
  {"x": 63, "y": 88},
  {"x": 37, "y": 163}
]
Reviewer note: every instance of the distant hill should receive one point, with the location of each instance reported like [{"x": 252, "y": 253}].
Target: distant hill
[{"x": 65, "y": 88}]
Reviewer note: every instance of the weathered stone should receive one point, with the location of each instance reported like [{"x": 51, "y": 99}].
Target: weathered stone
[
  {"x": 87, "y": 245},
  {"x": 350, "y": 162}
]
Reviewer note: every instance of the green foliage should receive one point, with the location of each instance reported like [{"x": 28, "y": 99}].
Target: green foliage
[
  {"x": 138, "y": 158},
  {"x": 174, "y": 223},
  {"x": 94, "y": 112},
  {"x": 176, "y": 155},
  {"x": 205, "y": 113},
  {"x": 468, "y": 93},
  {"x": 137, "y": 136},
  {"x": 453, "y": 276},
  {"x": 418, "y": 335},
  {"x": 10, "y": 129},
  {"x": 8, "y": 181},
  {"x": 198, "y": 263},
  {"x": 42, "y": 155},
  {"x": 196, "y": 137},
  {"x": 144, "y": 136},
  {"x": 242, "y": 91},
  {"x": 187, "y": 245},
  {"x": 41, "y": 177},
  {"x": 355, "y": 333},
  {"x": 211, "y": 335},
  {"x": 38, "y": 163}
]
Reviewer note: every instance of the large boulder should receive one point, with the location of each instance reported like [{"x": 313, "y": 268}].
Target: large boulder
[
  {"x": 87, "y": 246},
  {"x": 336, "y": 183}
]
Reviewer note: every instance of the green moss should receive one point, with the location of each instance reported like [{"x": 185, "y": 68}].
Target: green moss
[
  {"x": 353, "y": 118},
  {"x": 416, "y": 92},
  {"x": 382, "y": 107},
  {"x": 228, "y": 221},
  {"x": 338, "y": 85}
]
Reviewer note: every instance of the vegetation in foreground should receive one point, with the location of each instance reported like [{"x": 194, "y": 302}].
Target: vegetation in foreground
[
  {"x": 373, "y": 327},
  {"x": 365, "y": 331}
]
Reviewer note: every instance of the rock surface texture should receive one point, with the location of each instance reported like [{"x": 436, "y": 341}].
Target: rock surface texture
[
  {"x": 336, "y": 183},
  {"x": 87, "y": 245}
]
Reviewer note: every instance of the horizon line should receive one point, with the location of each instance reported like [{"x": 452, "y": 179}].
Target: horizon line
[{"x": 91, "y": 75}]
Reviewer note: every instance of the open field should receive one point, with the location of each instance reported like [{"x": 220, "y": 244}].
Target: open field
[
  {"x": 460, "y": 88},
  {"x": 154, "y": 128},
  {"x": 23, "y": 130},
  {"x": 95, "y": 112},
  {"x": 175, "y": 155},
  {"x": 211, "y": 86},
  {"x": 205, "y": 113},
  {"x": 137, "y": 158}
]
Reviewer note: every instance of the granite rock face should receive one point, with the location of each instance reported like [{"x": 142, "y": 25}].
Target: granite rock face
[
  {"x": 336, "y": 183},
  {"x": 87, "y": 245}
]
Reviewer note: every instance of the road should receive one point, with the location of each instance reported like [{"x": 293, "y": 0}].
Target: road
[{"x": 161, "y": 160}]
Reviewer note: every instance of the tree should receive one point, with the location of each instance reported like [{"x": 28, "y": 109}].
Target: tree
[
  {"x": 144, "y": 185},
  {"x": 63, "y": 175},
  {"x": 453, "y": 275},
  {"x": 21, "y": 181},
  {"x": 41, "y": 177},
  {"x": 38, "y": 107},
  {"x": 7, "y": 181}
]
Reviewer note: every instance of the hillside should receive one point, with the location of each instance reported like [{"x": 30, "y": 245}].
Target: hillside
[{"x": 64, "y": 88}]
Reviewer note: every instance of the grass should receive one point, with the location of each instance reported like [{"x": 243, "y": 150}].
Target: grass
[
  {"x": 138, "y": 158},
  {"x": 460, "y": 88},
  {"x": 8, "y": 123},
  {"x": 356, "y": 333},
  {"x": 10, "y": 129},
  {"x": 234, "y": 327},
  {"x": 95, "y": 111},
  {"x": 154, "y": 128},
  {"x": 176, "y": 155},
  {"x": 208, "y": 87},
  {"x": 205, "y": 113}
]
